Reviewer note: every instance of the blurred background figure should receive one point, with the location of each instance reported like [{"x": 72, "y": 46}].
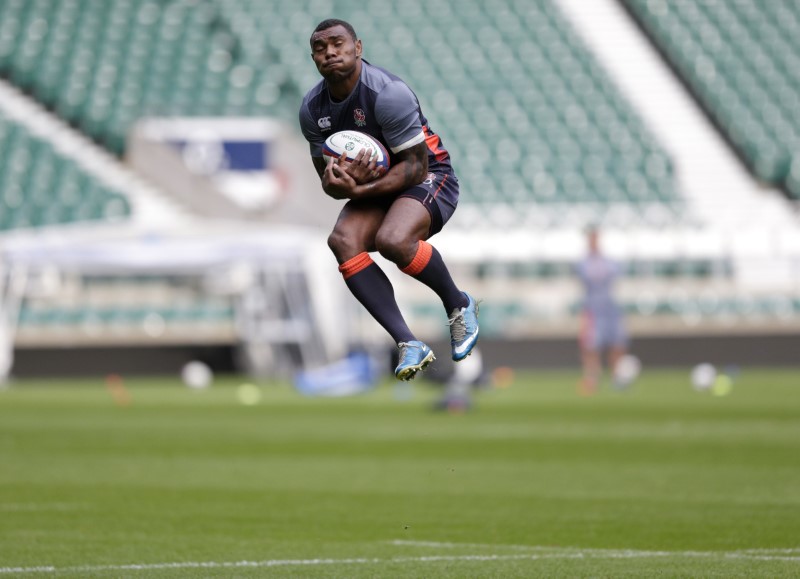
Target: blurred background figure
[
  {"x": 466, "y": 376},
  {"x": 602, "y": 329}
]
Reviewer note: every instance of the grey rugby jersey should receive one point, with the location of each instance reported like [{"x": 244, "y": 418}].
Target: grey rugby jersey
[{"x": 381, "y": 105}]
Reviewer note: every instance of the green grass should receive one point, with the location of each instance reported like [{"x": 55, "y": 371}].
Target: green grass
[{"x": 536, "y": 481}]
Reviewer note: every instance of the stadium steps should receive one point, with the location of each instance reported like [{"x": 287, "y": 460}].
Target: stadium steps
[
  {"x": 723, "y": 193},
  {"x": 741, "y": 60}
]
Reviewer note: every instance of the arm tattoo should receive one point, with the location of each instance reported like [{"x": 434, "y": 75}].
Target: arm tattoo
[{"x": 416, "y": 163}]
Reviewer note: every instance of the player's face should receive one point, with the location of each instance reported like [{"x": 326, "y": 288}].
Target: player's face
[{"x": 335, "y": 53}]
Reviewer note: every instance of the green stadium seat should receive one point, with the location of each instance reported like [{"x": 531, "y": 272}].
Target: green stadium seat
[
  {"x": 741, "y": 61},
  {"x": 39, "y": 187}
]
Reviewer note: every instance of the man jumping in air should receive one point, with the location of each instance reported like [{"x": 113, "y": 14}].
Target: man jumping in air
[{"x": 392, "y": 212}]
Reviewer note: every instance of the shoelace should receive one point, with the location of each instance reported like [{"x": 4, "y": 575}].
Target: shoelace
[
  {"x": 404, "y": 346},
  {"x": 458, "y": 327}
]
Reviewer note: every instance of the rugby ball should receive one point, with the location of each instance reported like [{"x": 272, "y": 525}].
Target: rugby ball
[
  {"x": 703, "y": 376},
  {"x": 626, "y": 371},
  {"x": 350, "y": 143}
]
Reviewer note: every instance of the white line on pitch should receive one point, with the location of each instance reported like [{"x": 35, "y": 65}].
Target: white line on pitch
[
  {"x": 555, "y": 553},
  {"x": 188, "y": 565},
  {"x": 759, "y": 554},
  {"x": 445, "y": 545}
]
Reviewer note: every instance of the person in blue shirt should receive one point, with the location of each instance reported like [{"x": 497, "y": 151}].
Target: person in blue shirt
[
  {"x": 602, "y": 327},
  {"x": 394, "y": 211}
]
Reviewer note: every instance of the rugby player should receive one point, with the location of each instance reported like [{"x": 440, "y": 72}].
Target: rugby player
[
  {"x": 602, "y": 328},
  {"x": 396, "y": 211}
]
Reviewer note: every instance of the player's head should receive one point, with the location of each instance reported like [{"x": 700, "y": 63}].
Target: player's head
[
  {"x": 330, "y": 23},
  {"x": 335, "y": 48}
]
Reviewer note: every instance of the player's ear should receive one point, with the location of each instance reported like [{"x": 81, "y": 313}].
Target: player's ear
[{"x": 358, "y": 48}]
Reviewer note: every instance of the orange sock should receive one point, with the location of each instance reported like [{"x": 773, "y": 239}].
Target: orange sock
[
  {"x": 428, "y": 267},
  {"x": 421, "y": 259},
  {"x": 355, "y": 264}
]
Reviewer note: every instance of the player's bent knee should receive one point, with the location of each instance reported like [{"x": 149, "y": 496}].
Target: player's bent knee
[
  {"x": 395, "y": 246},
  {"x": 346, "y": 246},
  {"x": 340, "y": 245}
]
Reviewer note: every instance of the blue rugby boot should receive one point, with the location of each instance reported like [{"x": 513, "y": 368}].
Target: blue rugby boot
[
  {"x": 415, "y": 356},
  {"x": 463, "y": 324}
]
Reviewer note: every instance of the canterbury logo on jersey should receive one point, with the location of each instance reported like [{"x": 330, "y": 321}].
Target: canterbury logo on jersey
[{"x": 324, "y": 123}]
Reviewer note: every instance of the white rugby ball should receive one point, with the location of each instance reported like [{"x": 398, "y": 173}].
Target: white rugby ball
[
  {"x": 350, "y": 143},
  {"x": 627, "y": 370},
  {"x": 703, "y": 376},
  {"x": 196, "y": 374}
]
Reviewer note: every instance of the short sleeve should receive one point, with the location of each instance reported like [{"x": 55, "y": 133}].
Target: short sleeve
[
  {"x": 311, "y": 131},
  {"x": 397, "y": 112}
]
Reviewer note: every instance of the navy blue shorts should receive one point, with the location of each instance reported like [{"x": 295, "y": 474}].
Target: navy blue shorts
[{"x": 438, "y": 193}]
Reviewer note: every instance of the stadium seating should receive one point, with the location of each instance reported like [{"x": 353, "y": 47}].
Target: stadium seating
[
  {"x": 101, "y": 309},
  {"x": 40, "y": 187},
  {"x": 741, "y": 60},
  {"x": 528, "y": 114},
  {"x": 101, "y": 65}
]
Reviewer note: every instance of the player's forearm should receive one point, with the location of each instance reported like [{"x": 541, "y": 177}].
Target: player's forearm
[
  {"x": 333, "y": 191},
  {"x": 407, "y": 173}
]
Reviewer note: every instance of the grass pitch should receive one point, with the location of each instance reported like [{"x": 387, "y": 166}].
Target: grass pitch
[{"x": 535, "y": 481}]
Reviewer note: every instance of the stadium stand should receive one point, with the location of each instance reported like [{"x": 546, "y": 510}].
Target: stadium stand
[
  {"x": 105, "y": 309},
  {"x": 101, "y": 65},
  {"x": 42, "y": 187},
  {"x": 740, "y": 60},
  {"x": 53, "y": 175},
  {"x": 556, "y": 131}
]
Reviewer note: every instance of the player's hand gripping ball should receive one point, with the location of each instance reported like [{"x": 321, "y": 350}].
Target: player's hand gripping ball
[{"x": 350, "y": 143}]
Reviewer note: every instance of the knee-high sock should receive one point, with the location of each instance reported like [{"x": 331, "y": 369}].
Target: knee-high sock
[
  {"x": 372, "y": 288},
  {"x": 429, "y": 268}
]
